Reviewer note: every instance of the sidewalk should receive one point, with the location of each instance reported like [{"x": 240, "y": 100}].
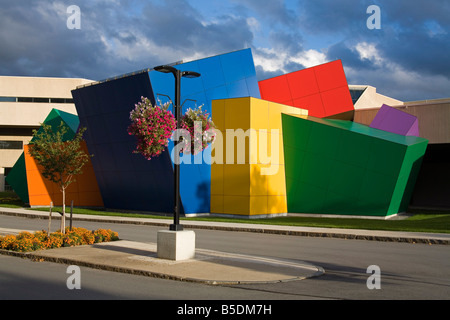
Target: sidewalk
[
  {"x": 358, "y": 234},
  {"x": 208, "y": 266}
]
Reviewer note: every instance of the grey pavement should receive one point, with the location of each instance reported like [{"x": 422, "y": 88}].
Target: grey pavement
[{"x": 207, "y": 266}]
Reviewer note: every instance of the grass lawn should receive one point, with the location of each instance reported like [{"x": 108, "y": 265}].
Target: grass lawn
[
  {"x": 419, "y": 221},
  {"x": 8, "y": 199}
]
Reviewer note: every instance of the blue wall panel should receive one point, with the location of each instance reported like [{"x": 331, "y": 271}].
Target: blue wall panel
[{"x": 128, "y": 181}]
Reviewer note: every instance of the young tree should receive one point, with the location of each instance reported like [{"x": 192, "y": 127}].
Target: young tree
[{"x": 60, "y": 158}]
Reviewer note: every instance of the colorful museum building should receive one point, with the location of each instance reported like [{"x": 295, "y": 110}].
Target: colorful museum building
[{"x": 291, "y": 144}]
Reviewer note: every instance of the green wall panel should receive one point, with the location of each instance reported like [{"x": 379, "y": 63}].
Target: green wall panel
[
  {"x": 17, "y": 179},
  {"x": 346, "y": 168}
]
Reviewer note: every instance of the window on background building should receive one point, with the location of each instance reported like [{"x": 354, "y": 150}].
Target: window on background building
[
  {"x": 11, "y": 145},
  {"x": 8, "y": 99},
  {"x": 355, "y": 94},
  {"x": 41, "y": 100},
  {"x": 36, "y": 100},
  {"x": 24, "y": 99},
  {"x": 57, "y": 100}
]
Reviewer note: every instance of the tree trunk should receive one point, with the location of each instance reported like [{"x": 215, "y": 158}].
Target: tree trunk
[{"x": 63, "y": 218}]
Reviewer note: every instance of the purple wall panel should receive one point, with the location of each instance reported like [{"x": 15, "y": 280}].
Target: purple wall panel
[{"x": 395, "y": 121}]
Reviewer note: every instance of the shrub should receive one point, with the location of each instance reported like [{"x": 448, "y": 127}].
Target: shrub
[
  {"x": 7, "y": 241},
  {"x": 41, "y": 235},
  {"x": 102, "y": 235},
  {"x": 25, "y": 235},
  {"x": 27, "y": 241},
  {"x": 23, "y": 244},
  {"x": 54, "y": 240}
]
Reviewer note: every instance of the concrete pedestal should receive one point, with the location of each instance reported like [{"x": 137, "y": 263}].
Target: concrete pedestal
[{"x": 176, "y": 245}]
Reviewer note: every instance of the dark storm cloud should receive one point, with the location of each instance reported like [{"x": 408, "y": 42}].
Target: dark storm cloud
[
  {"x": 37, "y": 42},
  {"x": 177, "y": 25},
  {"x": 291, "y": 42},
  {"x": 325, "y": 16},
  {"x": 273, "y": 12},
  {"x": 349, "y": 57},
  {"x": 414, "y": 38},
  {"x": 417, "y": 49},
  {"x": 413, "y": 34},
  {"x": 115, "y": 37},
  {"x": 122, "y": 36}
]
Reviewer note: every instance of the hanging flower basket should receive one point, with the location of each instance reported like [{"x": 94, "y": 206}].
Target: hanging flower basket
[
  {"x": 200, "y": 127},
  {"x": 152, "y": 126}
]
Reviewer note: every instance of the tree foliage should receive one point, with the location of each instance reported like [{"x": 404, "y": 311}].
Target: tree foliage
[{"x": 60, "y": 159}]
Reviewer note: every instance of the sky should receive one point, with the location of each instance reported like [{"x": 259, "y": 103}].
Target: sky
[{"x": 406, "y": 57}]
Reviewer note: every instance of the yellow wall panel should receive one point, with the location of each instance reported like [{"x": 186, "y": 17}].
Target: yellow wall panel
[
  {"x": 259, "y": 114},
  {"x": 217, "y": 179},
  {"x": 217, "y": 203},
  {"x": 258, "y": 205},
  {"x": 236, "y": 179},
  {"x": 276, "y": 204},
  {"x": 239, "y": 205},
  {"x": 252, "y": 179},
  {"x": 258, "y": 181},
  {"x": 237, "y": 113},
  {"x": 218, "y": 113},
  {"x": 277, "y": 182},
  {"x": 270, "y": 147},
  {"x": 239, "y": 146},
  {"x": 274, "y": 116}
]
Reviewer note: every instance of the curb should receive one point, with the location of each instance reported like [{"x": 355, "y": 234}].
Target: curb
[
  {"x": 348, "y": 234},
  {"x": 38, "y": 257}
]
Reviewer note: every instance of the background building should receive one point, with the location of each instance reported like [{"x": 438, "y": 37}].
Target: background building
[
  {"x": 432, "y": 188},
  {"x": 367, "y": 97},
  {"x": 25, "y": 102}
]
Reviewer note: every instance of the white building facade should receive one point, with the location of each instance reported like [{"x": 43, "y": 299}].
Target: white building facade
[{"x": 25, "y": 102}]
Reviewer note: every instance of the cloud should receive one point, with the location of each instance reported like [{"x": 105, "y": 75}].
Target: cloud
[
  {"x": 365, "y": 63},
  {"x": 402, "y": 58},
  {"x": 118, "y": 37},
  {"x": 273, "y": 12},
  {"x": 271, "y": 62},
  {"x": 115, "y": 37},
  {"x": 325, "y": 16}
]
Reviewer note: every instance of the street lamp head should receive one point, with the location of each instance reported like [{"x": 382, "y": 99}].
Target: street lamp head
[
  {"x": 190, "y": 74},
  {"x": 174, "y": 71},
  {"x": 166, "y": 69}
]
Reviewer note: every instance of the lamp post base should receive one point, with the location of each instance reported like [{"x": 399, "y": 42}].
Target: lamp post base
[
  {"x": 176, "y": 245},
  {"x": 176, "y": 227}
]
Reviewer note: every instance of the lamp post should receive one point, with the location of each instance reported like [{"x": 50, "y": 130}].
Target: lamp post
[{"x": 178, "y": 74}]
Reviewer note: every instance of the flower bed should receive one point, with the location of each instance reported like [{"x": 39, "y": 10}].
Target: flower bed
[{"x": 26, "y": 241}]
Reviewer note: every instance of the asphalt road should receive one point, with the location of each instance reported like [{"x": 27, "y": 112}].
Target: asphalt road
[{"x": 407, "y": 271}]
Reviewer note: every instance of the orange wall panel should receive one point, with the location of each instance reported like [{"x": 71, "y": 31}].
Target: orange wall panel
[{"x": 84, "y": 191}]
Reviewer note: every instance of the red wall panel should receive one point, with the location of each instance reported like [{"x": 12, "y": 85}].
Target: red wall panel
[{"x": 322, "y": 90}]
